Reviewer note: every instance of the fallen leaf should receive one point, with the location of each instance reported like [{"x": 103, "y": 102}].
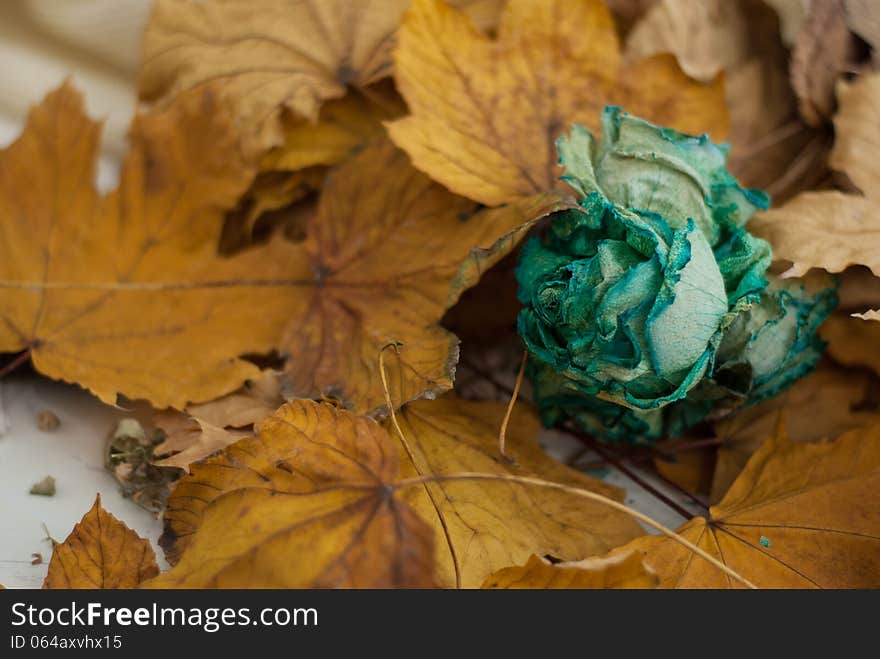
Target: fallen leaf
[
  {"x": 345, "y": 126},
  {"x": 706, "y": 37},
  {"x": 801, "y": 515},
  {"x": 852, "y": 341},
  {"x": 101, "y": 552},
  {"x": 257, "y": 399},
  {"x": 190, "y": 439},
  {"x": 391, "y": 251},
  {"x": 770, "y": 148},
  {"x": 124, "y": 293},
  {"x": 143, "y": 306},
  {"x": 832, "y": 229},
  {"x": 820, "y": 406},
  {"x": 824, "y": 50},
  {"x": 485, "y": 14},
  {"x": 287, "y": 55},
  {"x": 485, "y": 113},
  {"x": 307, "y": 503},
  {"x": 493, "y": 525},
  {"x": 205, "y": 428},
  {"x": 623, "y": 571}
]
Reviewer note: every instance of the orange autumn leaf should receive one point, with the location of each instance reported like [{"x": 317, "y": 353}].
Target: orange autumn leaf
[
  {"x": 800, "y": 515},
  {"x": 101, "y": 552},
  {"x": 124, "y": 293},
  {"x": 486, "y": 113},
  {"x": 306, "y": 503},
  {"x": 623, "y": 571},
  {"x": 390, "y": 252},
  {"x": 489, "y": 523}
]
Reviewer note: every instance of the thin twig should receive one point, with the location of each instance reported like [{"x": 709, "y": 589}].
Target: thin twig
[
  {"x": 15, "y": 363},
  {"x": 412, "y": 458},
  {"x": 502, "y": 434},
  {"x": 586, "y": 494},
  {"x": 593, "y": 444}
]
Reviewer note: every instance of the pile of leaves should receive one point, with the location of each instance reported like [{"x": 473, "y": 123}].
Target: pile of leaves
[{"x": 306, "y": 273}]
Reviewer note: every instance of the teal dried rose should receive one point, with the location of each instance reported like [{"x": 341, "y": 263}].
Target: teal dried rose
[{"x": 649, "y": 307}]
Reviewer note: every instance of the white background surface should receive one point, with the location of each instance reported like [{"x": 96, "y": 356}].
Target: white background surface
[{"x": 73, "y": 454}]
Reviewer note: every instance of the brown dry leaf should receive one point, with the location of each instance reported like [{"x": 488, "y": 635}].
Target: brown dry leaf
[
  {"x": 852, "y": 341},
  {"x": 824, "y": 50},
  {"x": 486, "y": 113},
  {"x": 306, "y": 503},
  {"x": 491, "y": 524},
  {"x": 832, "y": 229},
  {"x": 771, "y": 148},
  {"x": 623, "y": 571},
  {"x": 801, "y": 515},
  {"x": 391, "y": 251},
  {"x": 206, "y": 428},
  {"x": 124, "y": 293},
  {"x": 287, "y": 55},
  {"x": 190, "y": 439},
  {"x": 821, "y": 406},
  {"x": 101, "y": 552},
  {"x": 706, "y": 37},
  {"x": 344, "y": 127}
]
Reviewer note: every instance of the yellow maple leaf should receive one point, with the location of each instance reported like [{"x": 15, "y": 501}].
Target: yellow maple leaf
[
  {"x": 101, "y": 552},
  {"x": 306, "y": 503},
  {"x": 126, "y": 294},
  {"x": 800, "y": 515},
  {"x": 623, "y": 571},
  {"x": 486, "y": 113},
  {"x": 489, "y": 523}
]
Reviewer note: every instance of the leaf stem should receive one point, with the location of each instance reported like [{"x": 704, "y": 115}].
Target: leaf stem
[
  {"x": 626, "y": 471},
  {"x": 15, "y": 363},
  {"x": 412, "y": 457},
  {"x": 502, "y": 434}
]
